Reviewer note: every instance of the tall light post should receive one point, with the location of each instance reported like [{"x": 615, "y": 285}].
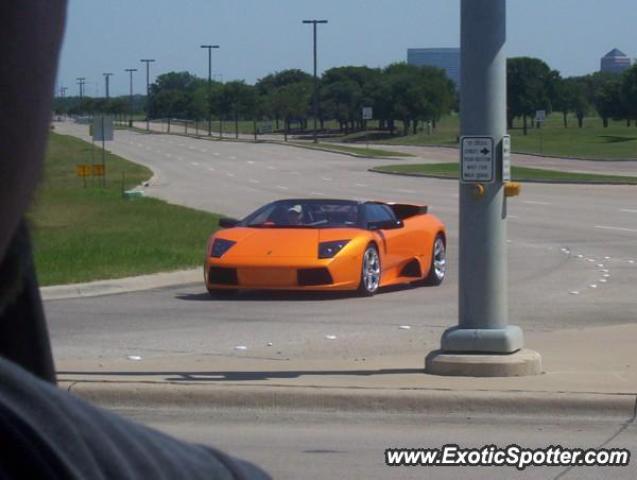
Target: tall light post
[
  {"x": 483, "y": 343},
  {"x": 209, "y": 47},
  {"x": 81, "y": 81},
  {"x": 147, "y": 61},
  {"x": 315, "y": 93},
  {"x": 130, "y": 95},
  {"x": 106, "y": 81}
]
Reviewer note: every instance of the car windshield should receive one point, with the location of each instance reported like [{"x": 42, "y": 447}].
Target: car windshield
[{"x": 305, "y": 214}]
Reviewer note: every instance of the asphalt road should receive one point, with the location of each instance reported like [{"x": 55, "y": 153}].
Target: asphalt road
[
  {"x": 330, "y": 445},
  {"x": 550, "y": 286}
]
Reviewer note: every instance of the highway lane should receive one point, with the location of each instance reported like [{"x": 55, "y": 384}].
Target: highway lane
[
  {"x": 551, "y": 286},
  {"x": 325, "y": 445}
]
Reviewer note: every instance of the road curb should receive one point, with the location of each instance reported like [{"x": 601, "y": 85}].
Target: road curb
[
  {"x": 435, "y": 402},
  {"x": 122, "y": 285}
]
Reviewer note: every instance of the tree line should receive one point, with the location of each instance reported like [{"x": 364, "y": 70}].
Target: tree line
[
  {"x": 400, "y": 92},
  {"x": 532, "y": 86}
]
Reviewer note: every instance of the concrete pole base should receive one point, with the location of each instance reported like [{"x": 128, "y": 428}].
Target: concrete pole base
[
  {"x": 521, "y": 363},
  {"x": 507, "y": 339}
]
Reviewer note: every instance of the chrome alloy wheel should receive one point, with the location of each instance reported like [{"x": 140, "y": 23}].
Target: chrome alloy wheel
[
  {"x": 371, "y": 270},
  {"x": 440, "y": 258}
]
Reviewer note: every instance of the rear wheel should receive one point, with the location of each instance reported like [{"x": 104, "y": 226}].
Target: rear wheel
[
  {"x": 438, "y": 267},
  {"x": 370, "y": 272}
]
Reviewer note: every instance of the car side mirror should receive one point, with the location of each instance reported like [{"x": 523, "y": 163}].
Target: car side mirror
[{"x": 228, "y": 222}]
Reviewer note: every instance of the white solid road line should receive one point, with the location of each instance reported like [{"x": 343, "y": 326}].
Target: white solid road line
[
  {"x": 534, "y": 202},
  {"x": 620, "y": 229},
  {"x": 627, "y": 210}
]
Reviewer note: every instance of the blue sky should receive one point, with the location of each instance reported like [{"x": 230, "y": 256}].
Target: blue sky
[{"x": 258, "y": 37}]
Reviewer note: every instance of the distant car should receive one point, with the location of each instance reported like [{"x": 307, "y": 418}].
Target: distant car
[{"x": 327, "y": 245}]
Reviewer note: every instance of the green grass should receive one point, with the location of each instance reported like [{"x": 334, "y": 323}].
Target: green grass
[
  {"x": 593, "y": 141},
  {"x": 82, "y": 234},
  {"x": 520, "y": 174},
  {"x": 365, "y": 152}
]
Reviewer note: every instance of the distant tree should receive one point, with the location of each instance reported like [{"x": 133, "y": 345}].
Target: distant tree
[
  {"x": 609, "y": 102},
  {"x": 269, "y": 86},
  {"x": 629, "y": 93},
  {"x": 528, "y": 88},
  {"x": 418, "y": 94},
  {"x": 173, "y": 95}
]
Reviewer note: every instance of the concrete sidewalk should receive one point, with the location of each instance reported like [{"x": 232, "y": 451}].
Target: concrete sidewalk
[{"x": 590, "y": 372}]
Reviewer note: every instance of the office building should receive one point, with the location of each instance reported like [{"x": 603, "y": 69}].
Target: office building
[
  {"x": 446, "y": 58},
  {"x": 615, "y": 61}
]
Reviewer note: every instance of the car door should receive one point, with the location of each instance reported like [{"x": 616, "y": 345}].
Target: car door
[{"x": 390, "y": 240}]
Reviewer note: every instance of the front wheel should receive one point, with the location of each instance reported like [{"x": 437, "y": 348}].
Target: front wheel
[
  {"x": 370, "y": 272},
  {"x": 438, "y": 267}
]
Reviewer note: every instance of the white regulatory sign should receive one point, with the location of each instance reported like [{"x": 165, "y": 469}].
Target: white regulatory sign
[
  {"x": 477, "y": 160},
  {"x": 540, "y": 115},
  {"x": 506, "y": 158},
  {"x": 367, "y": 113}
]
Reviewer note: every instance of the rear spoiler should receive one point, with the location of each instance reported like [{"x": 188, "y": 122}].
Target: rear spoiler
[{"x": 406, "y": 210}]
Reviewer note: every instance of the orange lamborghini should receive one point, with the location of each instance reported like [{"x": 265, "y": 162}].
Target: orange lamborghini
[{"x": 317, "y": 244}]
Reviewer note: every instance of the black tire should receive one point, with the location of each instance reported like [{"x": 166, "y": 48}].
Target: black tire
[
  {"x": 437, "y": 271},
  {"x": 370, "y": 275}
]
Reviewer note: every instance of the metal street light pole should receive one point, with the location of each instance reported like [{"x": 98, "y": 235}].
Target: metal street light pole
[
  {"x": 315, "y": 93},
  {"x": 483, "y": 297},
  {"x": 147, "y": 61},
  {"x": 106, "y": 80},
  {"x": 81, "y": 81},
  {"x": 209, "y": 47},
  {"x": 130, "y": 99}
]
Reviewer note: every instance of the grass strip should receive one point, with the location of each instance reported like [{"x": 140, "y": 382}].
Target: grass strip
[
  {"x": 89, "y": 233},
  {"x": 519, "y": 174}
]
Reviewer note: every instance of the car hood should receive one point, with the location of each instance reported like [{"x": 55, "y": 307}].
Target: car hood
[{"x": 272, "y": 242}]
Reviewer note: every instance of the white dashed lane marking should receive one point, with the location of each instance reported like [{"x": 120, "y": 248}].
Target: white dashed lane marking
[
  {"x": 281, "y": 187},
  {"x": 627, "y": 210},
  {"x": 619, "y": 229},
  {"x": 535, "y": 202}
]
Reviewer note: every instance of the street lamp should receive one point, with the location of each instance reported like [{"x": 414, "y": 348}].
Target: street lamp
[
  {"x": 147, "y": 61},
  {"x": 106, "y": 80},
  {"x": 315, "y": 94},
  {"x": 130, "y": 100},
  {"x": 80, "y": 82},
  {"x": 209, "y": 47}
]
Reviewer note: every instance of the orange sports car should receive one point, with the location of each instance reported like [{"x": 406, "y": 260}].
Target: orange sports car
[{"x": 320, "y": 244}]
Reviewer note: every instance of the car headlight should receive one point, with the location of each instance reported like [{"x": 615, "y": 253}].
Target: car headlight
[
  {"x": 220, "y": 246},
  {"x": 329, "y": 249}
]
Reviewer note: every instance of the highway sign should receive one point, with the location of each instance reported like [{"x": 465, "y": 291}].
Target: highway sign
[
  {"x": 477, "y": 159},
  {"x": 102, "y": 128},
  {"x": 367, "y": 113},
  {"x": 506, "y": 158}
]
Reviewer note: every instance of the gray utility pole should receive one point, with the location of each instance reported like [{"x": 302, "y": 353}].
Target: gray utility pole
[
  {"x": 81, "y": 81},
  {"x": 147, "y": 61},
  {"x": 483, "y": 296},
  {"x": 130, "y": 96},
  {"x": 315, "y": 93},
  {"x": 106, "y": 81},
  {"x": 209, "y": 47}
]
